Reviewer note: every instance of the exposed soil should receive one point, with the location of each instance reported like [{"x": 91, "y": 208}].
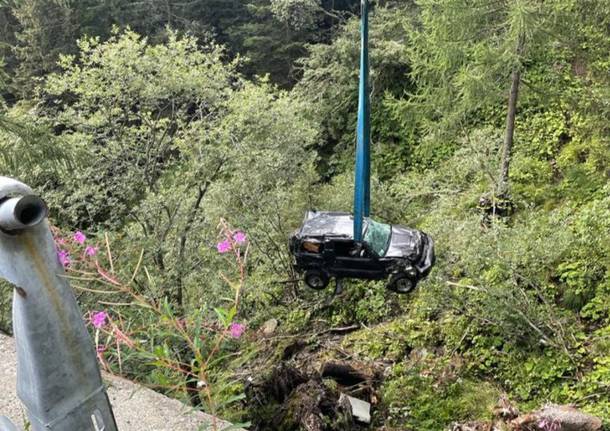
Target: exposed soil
[{"x": 302, "y": 391}]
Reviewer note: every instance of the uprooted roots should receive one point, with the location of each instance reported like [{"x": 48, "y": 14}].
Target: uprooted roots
[{"x": 289, "y": 400}]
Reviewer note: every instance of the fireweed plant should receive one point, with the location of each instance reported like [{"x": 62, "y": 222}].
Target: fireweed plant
[{"x": 147, "y": 339}]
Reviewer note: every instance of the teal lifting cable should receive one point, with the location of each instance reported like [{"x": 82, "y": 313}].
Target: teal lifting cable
[{"x": 362, "y": 189}]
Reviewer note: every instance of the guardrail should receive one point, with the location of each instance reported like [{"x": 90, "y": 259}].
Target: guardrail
[{"x": 58, "y": 378}]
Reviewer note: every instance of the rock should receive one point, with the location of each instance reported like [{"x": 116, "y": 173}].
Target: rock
[
  {"x": 472, "y": 426},
  {"x": 269, "y": 327},
  {"x": 504, "y": 410},
  {"x": 361, "y": 410},
  {"x": 549, "y": 418},
  {"x": 560, "y": 418}
]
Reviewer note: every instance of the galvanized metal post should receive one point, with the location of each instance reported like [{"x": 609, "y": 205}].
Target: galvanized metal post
[
  {"x": 58, "y": 378},
  {"x": 362, "y": 189}
]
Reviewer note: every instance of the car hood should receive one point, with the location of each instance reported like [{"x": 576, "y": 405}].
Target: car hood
[{"x": 405, "y": 242}]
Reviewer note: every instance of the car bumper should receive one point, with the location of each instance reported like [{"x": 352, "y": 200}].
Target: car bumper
[{"x": 425, "y": 265}]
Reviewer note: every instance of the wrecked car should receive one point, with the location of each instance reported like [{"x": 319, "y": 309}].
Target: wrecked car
[{"x": 324, "y": 247}]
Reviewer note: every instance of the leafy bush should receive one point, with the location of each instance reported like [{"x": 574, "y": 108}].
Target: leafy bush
[{"x": 143, "y": 336}]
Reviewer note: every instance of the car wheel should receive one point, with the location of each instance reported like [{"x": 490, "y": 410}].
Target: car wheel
[
  {"x": 401, "y": 283},
  {"x": 316, "y": 279}
]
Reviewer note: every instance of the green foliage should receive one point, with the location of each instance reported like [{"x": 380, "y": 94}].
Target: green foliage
[
  {"x": 393, "y": 340},
  {"x": 273, "y": 34},
  {"x": 331, "y": 75},
  {"x": 29, "y": 150},
  {"x": 366, "y": 303},
  {"x": 462, "y": 51},
  {"x": 128, "y": 105},
  {"x": 46, "y": 29},
  {"x": 6, "y": 326},
  {"x": 298, "y": 14},
  {"x": 143, "y": 335},
  {"x": 271, "y": 167},
  {"x": 429, "y": 396}
]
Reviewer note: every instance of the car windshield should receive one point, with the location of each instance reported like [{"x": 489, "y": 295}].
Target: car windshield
[{"x": 377, "y": 235}]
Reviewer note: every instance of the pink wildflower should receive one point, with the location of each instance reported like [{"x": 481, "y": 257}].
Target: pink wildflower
[
  {"x": 64, "y": 258},
  {"x": 79, "y": 237},
  {"x": 239, "y": 237},
  {"x": 237, "y": 330},
  {"x": 98, "y": 319},
  {"x": 100, "y": 349},
  {"x": 91, "y": 251},
  {"x": 223, "y": 246}
]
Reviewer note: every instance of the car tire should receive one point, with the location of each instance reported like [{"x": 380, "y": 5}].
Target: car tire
[
  {"x": 317, "y": 280},
  {"x": 401, "y": 283}
]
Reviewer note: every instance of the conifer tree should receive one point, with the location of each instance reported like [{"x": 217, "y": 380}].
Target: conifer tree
[
  {"x": 471, "y": 57},
  {"x": 47, "y": 29}
]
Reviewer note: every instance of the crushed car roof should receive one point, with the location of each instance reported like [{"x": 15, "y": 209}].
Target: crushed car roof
[{"x": 327, "y": 223}]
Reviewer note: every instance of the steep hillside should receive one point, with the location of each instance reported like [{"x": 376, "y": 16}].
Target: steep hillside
[{"x": 175, "y": 171}]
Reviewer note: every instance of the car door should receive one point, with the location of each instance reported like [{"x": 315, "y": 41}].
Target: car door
[
  {"x": 329, "y": 256},
  {"x": 310, "y": 254},
  {"x": 357, "y": 261}
]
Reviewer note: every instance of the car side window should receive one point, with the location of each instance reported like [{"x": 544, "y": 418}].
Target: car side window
[
  {"x": 312, "y": 246},
  {"x": 343, "y": 248}
]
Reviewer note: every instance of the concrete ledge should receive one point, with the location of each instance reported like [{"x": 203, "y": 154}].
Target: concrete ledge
[{"x": 136, "y": 408}]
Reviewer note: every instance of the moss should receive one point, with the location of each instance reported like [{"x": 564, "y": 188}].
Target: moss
[
  {"x": 296, "y": 320},
  {"x": 415, "y": 399},
  {"x": 392, "y": 340}
]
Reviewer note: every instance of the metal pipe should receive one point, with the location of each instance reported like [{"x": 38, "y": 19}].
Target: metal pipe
[
  {"x": 21, "y": 212},
  {"x": 6, "y": 424}
]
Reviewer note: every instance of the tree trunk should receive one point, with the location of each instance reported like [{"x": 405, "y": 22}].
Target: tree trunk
[
  {"x": 202, "y": 189},
  {"x": 510, "y": 124}
]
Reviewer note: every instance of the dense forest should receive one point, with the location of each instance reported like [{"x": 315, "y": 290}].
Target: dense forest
[{"x": 179, "y": 143}]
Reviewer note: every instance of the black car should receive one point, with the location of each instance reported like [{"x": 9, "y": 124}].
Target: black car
[{"x": 324, "y": 247}]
